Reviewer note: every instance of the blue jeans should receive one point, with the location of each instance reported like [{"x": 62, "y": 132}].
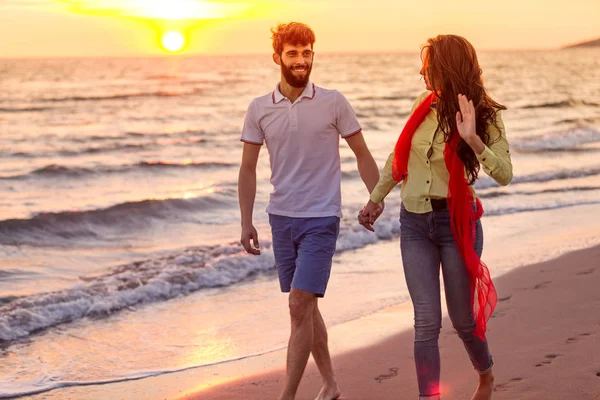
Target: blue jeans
[{"x": 426, "y": 241}]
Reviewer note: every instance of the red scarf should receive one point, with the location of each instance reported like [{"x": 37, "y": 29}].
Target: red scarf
[{"x": 462, "y": 214}]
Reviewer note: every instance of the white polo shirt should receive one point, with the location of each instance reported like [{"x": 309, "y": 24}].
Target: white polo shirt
[{"x": 303, "y": 143}]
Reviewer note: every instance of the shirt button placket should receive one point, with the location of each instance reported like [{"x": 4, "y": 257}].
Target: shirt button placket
[{"x": 293, "y": 118}]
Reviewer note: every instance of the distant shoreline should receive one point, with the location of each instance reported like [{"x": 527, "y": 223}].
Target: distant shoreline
[{"x": 587, "y": 43}]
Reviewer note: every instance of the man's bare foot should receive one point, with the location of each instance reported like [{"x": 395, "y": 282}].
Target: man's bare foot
[
  {"x": 485, "y": 388},
  {"x": 330, "y": 392}
]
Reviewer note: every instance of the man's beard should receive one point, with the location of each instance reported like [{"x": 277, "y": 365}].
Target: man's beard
[{"x": 294, "y": 81}]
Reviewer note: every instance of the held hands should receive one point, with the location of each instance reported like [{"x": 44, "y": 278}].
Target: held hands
[
  {"x": 249, "y": 233},
  {"x": 369, "y": 214}
]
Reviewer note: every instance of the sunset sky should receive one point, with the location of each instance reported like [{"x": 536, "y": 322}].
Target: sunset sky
[{"x": 65, "y": 28}]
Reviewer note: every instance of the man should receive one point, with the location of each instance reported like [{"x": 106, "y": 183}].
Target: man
[{"x": 301, "y": 125}]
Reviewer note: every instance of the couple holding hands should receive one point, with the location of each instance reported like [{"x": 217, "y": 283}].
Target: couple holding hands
[{"x": 454, "y": 129}]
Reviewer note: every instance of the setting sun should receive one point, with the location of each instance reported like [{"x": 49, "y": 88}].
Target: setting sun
[{"x": 173, "y": 41}]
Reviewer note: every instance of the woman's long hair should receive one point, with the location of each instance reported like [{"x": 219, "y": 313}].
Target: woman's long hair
[{"x": 452, "y": 68}]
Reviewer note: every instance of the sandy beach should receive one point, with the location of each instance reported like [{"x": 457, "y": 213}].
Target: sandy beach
[{"x": 544, "y": 337}]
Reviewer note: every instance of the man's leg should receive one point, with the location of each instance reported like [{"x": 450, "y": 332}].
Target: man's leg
[
  {"x": 302, "y": 305},
  {"x": 315, "y": 238},
  {"x": 320, "y": 352}
]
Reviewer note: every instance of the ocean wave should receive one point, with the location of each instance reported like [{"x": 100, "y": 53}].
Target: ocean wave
[
  {"x": 89, "y": 139},
  {"x": 381, "y": 112},
  {"x": 569, "y": 189},
  {"x": 580, "y": 121},
  {"x": 385, "y": 98},
  {"x": 19, "y": 154},
  {"x": 111, "y": 144},
  {"x": 555, "y": 206},
  {"x": 164, "y": 77},
  {"x": 60, "y": 171},
  {"x": 169, "y": 165},
  {"x": 154, "y": 280},
  {"x": 179, "y": 274},
  {"x": 24, "y": 109},
  {"x": 116, "y": 147},
  {"x": 73, "y": 152},
  {"x": 486, "y": 182},
  {"x": 130, "y": 285},
  {"x": 350, "y": 174},
  {"x": 186, "y": 133},
  {"x": 7, "y": 299},
  {"x": 567, "y": 140},
  {"x": 562, "y": 104},
  {"x": 160, "y": 93},
  {"x": 65, "y": 227}
]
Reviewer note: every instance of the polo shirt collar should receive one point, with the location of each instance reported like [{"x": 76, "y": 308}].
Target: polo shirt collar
[{"x": 309, "y": 91}]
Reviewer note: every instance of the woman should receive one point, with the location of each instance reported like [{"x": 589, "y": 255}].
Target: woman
[{"x": 454, "y": 129}]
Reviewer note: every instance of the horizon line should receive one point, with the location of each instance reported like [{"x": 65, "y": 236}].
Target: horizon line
[{"x": 252, "y": 54}]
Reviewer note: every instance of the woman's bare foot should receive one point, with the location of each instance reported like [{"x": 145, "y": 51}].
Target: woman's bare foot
[
  {"x": 329, "y": 392},
  {"x": 485, "y": 388}
]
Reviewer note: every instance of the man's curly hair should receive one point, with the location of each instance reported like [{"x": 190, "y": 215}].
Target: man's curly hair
[{"x": 294, "y": 33}]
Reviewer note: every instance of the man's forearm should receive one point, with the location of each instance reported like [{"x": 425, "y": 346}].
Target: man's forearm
[
  {"x": 369, "y": 173},
  {"x": 246, "y": 194}
]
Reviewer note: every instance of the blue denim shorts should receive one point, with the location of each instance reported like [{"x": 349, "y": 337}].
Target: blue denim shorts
[{"x": 304, "y": 249}]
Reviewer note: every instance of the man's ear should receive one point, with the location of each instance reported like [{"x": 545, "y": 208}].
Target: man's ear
[{"x": 276, "y": 58}]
